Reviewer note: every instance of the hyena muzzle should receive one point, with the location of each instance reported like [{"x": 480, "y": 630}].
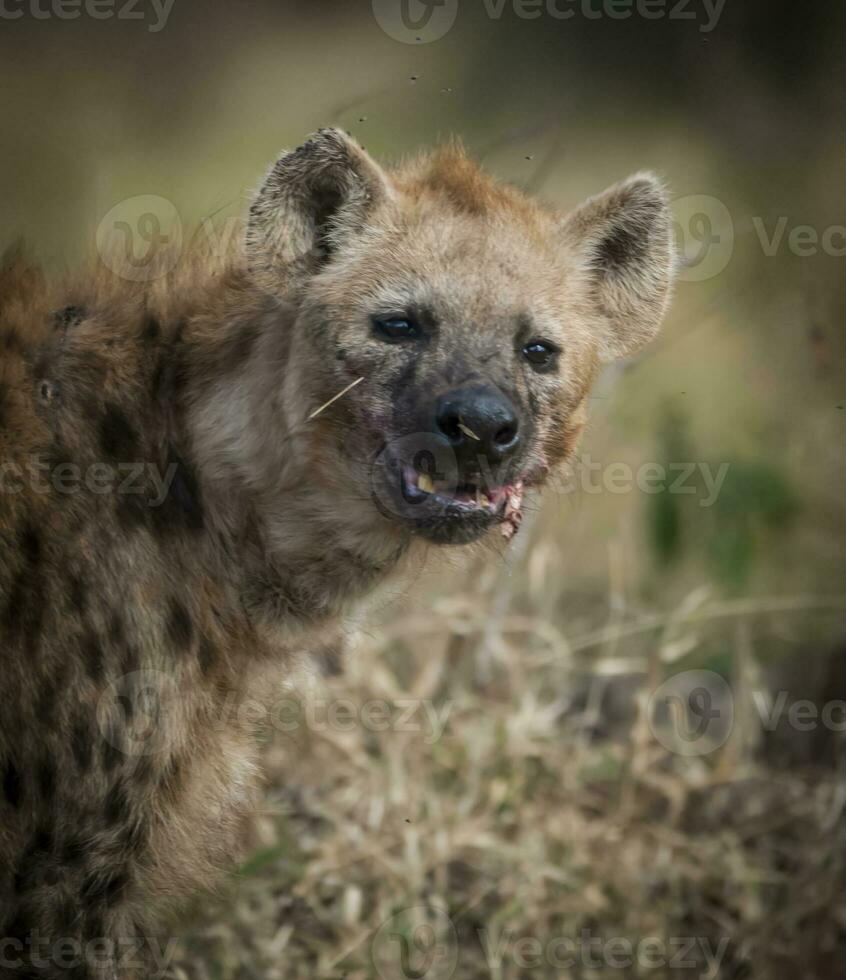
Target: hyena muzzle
[{"x": 201, "y": 474}]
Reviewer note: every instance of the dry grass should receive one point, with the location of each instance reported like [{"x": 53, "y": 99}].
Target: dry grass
[{"x": 546, "y": 814}]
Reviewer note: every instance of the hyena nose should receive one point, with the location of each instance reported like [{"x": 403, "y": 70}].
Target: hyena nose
[{"x": 478, "y": 421}]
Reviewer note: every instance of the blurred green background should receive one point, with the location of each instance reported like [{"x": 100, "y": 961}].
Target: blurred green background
[{"x": 544, "y": 807}]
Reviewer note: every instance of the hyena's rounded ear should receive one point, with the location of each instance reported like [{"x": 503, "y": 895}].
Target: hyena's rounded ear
[
  {"x": 624, "y": 241},
  {"x": 312, "y": 200}
]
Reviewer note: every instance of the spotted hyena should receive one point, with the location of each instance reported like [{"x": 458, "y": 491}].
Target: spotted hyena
[{"x": 186, "y": 504}]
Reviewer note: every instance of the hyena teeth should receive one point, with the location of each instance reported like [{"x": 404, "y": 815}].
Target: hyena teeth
[{"x": 425, "y": 483}]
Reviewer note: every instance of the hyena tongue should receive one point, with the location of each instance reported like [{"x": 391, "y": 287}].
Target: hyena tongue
[{"x": 513, "y": 510}]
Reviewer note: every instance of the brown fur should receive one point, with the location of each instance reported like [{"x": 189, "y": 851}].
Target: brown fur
[{"x": 268, "y": 535}]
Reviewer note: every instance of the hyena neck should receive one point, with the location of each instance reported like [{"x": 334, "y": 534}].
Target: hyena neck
[{"x": 301, "y": 558}]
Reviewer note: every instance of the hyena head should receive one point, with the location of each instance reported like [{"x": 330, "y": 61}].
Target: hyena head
[{"x": 472, "y": 319}]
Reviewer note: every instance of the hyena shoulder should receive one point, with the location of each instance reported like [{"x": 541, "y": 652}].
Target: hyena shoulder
[{"x": 118, "y": 624}]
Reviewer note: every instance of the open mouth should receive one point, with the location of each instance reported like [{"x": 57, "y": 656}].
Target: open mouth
[
  {"x": 417, "y": 482},
  {"x": 420, "y": 487},
  {"x": 501, "y": 504}
]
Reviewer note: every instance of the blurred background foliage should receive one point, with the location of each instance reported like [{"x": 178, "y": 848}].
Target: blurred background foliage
[{"x": 544, "y": 808}]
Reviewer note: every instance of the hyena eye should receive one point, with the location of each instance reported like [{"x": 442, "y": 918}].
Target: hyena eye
[
  {"x": 395, "y": 329},
  {"x": 541, "y": 354}
]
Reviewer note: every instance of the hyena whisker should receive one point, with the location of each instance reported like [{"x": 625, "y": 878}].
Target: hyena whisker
[{"x": 334, "y": 398}]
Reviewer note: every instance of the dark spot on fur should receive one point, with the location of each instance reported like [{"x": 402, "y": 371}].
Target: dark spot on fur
[
  {"x": 99, "y": 888},
  {"x": 74, "y": 851},
  {"x": 145, "y": 770},
  {"x": 30, "y": 545},
  {"x": 150, "y": 330},
  {"x": 82, "y": 744},
  {"x": 329, "y": 658},
  {"x": 118, "y": 438},
  {"x": 94, "y": 927},
  {"x": 37, "y": 864},
  {"x": 92, "y": 652},
  {"x": 42, "y": 841},
  {"x": 157, "y": 382},
  {"x": 182, "y": 508},
  {"x": 78, "y": 594},
  {"x": 34, "y": 868},
  {"x": 18, "y": 928},
  {"x": 238, "y": 347},
  {"x": 47, "y": 779},
  {"x": 180, "y": 629},
  {"x": 131, "y": 661},
  {"x": 185, "y": 494},
  {"x": 116, "y": 806},
  {"x": 17, "y": 608},
  {"x": 112, "y": 750},
  {"x": 170, "y": 374},
  {"x": 70, "y": 316},
  {"x": 206, "y": 654},
  {"x": 326, "y": 202},
  {"x": 59, "y": 467},
  {"x": 23, "y": 616},
  {"x": 132, "y": 512},
  {"x": 10, "y": 340},
  {"x": 12, "y": 785},
  {"x": 126, "y": 706},
  {"x": 622, "y": 246},
  {"x": 4, "y": 403},
  {"x": 66, "y": 915},
  {"x": 116, "y": 884},
  {"x": 117, "y": 629},
  {"x": 48, "y": 695}
]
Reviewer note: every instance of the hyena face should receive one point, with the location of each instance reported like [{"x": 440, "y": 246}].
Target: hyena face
[{"x": 470, "y": 320}]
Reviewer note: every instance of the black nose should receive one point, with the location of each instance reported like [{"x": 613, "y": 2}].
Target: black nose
[{"x": 478, "y": 421}]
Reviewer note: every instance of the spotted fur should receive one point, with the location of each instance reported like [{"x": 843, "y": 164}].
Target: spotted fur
[{"x": 130, "y": 622}]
